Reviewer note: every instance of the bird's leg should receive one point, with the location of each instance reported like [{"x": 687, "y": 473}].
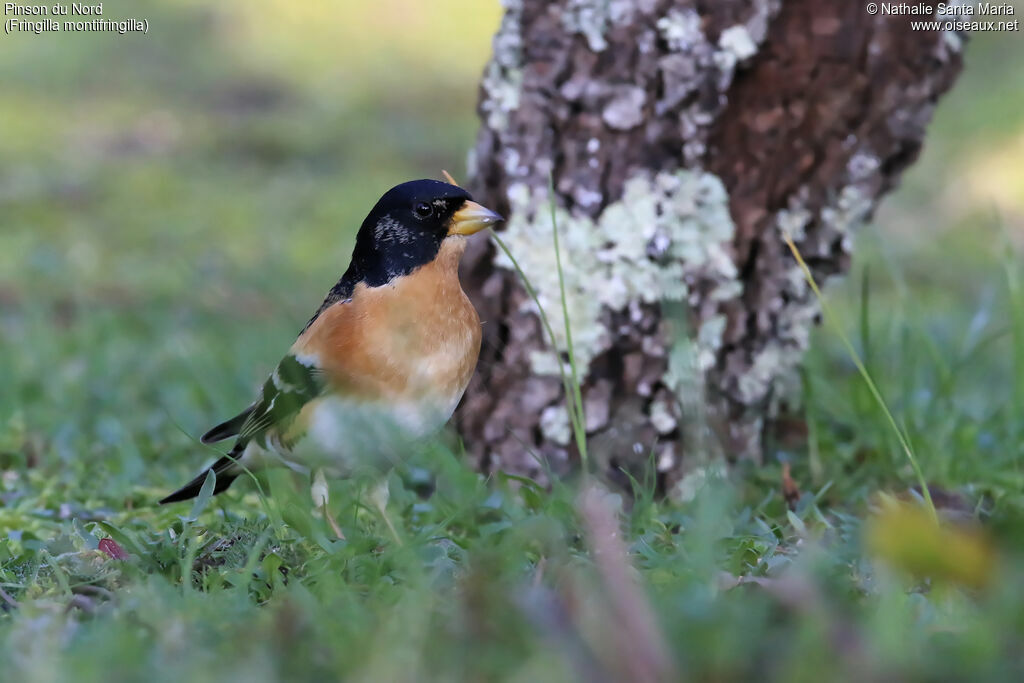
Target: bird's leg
[
  {"x": 321, "y": 496},
  {"x": 379, "y": 495}
]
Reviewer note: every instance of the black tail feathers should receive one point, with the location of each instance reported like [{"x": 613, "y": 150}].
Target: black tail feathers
[
  {"x": 228, "y": 428},
  {"x": 226, "y": 469}
]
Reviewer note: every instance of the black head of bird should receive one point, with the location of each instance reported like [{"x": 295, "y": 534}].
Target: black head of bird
[{"x": 407, "y": 226}]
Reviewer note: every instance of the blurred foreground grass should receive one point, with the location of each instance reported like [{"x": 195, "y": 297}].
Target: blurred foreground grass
[{"x": 175, "y": 205}]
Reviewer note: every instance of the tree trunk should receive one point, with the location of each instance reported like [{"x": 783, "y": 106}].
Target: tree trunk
[{"x": 683, "y": 139}]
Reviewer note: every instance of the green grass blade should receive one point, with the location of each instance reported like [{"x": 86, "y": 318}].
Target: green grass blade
[
  {"x": 532, "y": 293},
  {"x": 865, "y": 315},
  {"x": 579, "y": 428},
  {"x": 205, "y": 493},
  {"x": 580, "y": 420},
  {"x": 855, "y": 357}
]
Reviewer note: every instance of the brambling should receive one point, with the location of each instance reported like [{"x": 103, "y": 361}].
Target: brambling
[{"x": 396, "y": 333}]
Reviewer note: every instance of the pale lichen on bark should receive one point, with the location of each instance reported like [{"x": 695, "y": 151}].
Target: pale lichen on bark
[
  {"x": 502, "y": 79},
  {"x": 664, "y": 232}
]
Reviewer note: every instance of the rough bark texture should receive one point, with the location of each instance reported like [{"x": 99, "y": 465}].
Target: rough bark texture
[{"x": 683, "y": 138}]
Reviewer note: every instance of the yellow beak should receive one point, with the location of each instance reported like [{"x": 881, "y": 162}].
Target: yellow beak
[{"x": 471, "y": 219}]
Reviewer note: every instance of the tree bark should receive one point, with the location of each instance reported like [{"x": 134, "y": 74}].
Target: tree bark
[{"x": 683, "y": 139}]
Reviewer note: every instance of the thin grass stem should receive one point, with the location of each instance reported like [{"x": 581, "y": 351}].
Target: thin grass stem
[
  {"x": 580, "y": 421},
  {"x": 875, "y": 393},
  {"x": 545, "y": 322}
]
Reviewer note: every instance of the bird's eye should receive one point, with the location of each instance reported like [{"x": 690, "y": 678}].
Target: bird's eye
[{"x": 423, "y": 210}]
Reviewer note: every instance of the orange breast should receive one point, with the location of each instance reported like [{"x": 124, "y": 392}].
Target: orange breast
[{"x": 416, "y": 339}]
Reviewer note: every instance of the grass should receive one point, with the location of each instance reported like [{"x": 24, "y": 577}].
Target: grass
[
  {"x": 869, "y": 382},
  {"x": 573, "y": 389},
  {"x": 161, "y": 248}
]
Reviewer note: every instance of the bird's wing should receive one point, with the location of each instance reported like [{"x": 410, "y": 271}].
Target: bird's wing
[{"x": 292, "y": 386}]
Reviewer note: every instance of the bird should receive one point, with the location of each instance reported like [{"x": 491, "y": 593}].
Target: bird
[{"x": 396, "y": 333}]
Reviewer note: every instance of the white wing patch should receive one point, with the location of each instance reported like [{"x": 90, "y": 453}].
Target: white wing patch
[{"x": 310, "y": 360}]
